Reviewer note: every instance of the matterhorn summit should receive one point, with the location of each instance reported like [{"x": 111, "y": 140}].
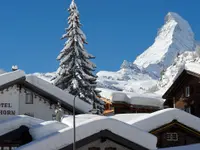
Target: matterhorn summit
[{"x": 175, "y": 37}]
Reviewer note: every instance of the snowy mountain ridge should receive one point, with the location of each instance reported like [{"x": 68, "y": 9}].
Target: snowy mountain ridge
[
  {"x": 175, "y": 37},
  {"x": 173, "y": 46},
  {"x": 173, "y": 71}
]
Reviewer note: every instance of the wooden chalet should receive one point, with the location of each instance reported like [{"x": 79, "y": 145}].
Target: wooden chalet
[
  {"x": 108, "y": 107},
  {"x": 172, "y": 127},
  {"x": 135, "y": 104},
  {"x": 123, "y": 107},
  {"x": 175, "y": 134},
  {"x": 184, "y": 93}
]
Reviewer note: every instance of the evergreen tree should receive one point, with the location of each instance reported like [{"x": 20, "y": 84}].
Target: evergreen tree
[{"x": 75, "y": 71}]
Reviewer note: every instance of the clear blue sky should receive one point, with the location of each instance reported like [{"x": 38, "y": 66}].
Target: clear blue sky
[{"x": 30, "y": 30}]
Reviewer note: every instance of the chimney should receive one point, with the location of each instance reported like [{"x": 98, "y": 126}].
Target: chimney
[{"x": 14, "y": 67}]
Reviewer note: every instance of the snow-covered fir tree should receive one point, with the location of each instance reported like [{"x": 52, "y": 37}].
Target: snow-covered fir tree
[{"x": 75, "y": 73}]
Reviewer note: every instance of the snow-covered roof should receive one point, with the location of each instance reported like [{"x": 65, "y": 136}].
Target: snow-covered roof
[
  {"x": 10, "y": 78},
  {"x": 193, "y": 67},
  {"x": 68, "y": 120},
  {"x": 159, "y": 118},
  {"x": 62, "y": 95},
  {"x": 106, "y": 93},
  {"x": 64, "y": 137},
  {"x": 146, "y": 99},
  {"x": 56, "y": 135},
  {"x": 127, "y": 117},
  {"x": 188, "y": 147},
  {"x": 45, "y": 129},
  {"x": 187, "y": 67},
  {"x": 17, "y": 121}
]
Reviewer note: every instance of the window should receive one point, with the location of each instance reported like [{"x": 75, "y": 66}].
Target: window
[
  {"x": 188, "y": 109},
  {"x": 53, "y": 117},
  {"x": 94, "y": 148},
  {"x": 187, "y": 91},
  {"x": 29, "y": 98},
  {"x": 29, "y": 114},
  {"x": 12, "y": 148},
  {"x": 6, "y": 148},
  {"x": 110, "y": 148},
  {"x": 172, "y": 137}
]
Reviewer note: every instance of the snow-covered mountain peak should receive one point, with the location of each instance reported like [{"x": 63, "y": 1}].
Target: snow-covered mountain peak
[{"x": 173, "y": 38}]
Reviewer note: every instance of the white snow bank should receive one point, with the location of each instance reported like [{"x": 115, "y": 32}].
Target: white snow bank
[
  {"x": 188, "y": 147},
  {"x": 162, "y": 117},
  {"x": 59, "y": 93},
  {"x": 88, "y": 128},
  {"x": 17, "y": 121},
  {"x": 106, "y": 93},
  {"x": 11, "y": 76},
  {"x": 68, "y": 120},
  {"x": 193, "y": 67},
  {"x": 46, "y": 128},
  {"x": 146, "y": 99},
  {"x": 127, "y": 117}
]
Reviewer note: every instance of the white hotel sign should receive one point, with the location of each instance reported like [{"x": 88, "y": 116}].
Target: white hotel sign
[
  {"x": 9, "y": 104},
  {"x": 7, "y": 109}
]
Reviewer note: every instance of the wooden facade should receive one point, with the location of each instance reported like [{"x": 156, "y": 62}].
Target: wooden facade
[
  {"x": 175, "y": 134},
  {"x": 108, "y": 107},
  {"x": 16, "y": 138},
  {"x": 185, "y": 93},
  {"x": 122, "y": 107}
]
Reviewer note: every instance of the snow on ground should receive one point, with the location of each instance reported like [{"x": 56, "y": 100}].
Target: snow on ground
[{"x": 188, "y": 147}]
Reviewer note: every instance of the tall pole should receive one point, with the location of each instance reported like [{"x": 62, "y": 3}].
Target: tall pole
[{"x": 74, "y": 123}]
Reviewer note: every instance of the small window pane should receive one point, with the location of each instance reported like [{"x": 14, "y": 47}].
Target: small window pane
[
  {"x": 110, "y": 148},
  {"x": 12, "y": 148},
  {"x": 187, "y": 91},
  {"x": 6, "y": 148},
  {"x": 172, "y": 137},
  {"x": 29, "y": 98},
  {"x": 94, "y": 148}
]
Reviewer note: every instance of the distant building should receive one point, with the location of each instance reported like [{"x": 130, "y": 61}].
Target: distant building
[
  {"x": 29, "y": 95},
  {"x": 184, "y": 93},
  {"x": 124, "y": 102},
  {"x": 136, "y": 103}
]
